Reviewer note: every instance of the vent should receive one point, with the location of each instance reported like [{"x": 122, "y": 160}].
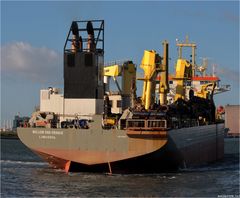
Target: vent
[
  {"x": 89, "y": 60},
  {"x": 71, "y": 60}
]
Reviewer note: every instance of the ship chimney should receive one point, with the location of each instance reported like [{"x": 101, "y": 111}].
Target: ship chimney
[
  {"x": 90, "y": 44},
  {"x": 76, "y": 40},
  {"x": 83, "y": 65}
]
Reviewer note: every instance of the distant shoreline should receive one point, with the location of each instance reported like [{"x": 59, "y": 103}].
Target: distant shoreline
[{"x": 8, "y": 135}]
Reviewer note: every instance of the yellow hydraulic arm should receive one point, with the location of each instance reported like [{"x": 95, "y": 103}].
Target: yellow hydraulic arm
[
  {"x": 204, "y": 92},
  {"x": 183, "y": 73},
  {"x": 113, "y": 70},
  {"x": 152, "y": 64},
  {"x": 127, "y": 71},
  {"x": 150, "y": 73}
]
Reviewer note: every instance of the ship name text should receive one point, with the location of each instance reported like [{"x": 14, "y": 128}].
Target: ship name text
[{"x": 47, "y": 134}]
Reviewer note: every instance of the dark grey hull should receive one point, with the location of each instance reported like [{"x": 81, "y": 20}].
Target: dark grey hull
[{"x": 202, "y": 149}]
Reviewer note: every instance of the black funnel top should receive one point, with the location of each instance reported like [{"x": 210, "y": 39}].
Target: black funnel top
[
  {"x": 90, "y": 28},
  {"x": 74, "y": 28}
]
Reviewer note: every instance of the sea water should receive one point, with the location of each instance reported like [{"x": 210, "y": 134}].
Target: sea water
[{"x": 23, "y": 174}]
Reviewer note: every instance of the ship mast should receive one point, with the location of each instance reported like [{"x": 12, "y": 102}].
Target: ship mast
[{"x": 193, "y": 55}]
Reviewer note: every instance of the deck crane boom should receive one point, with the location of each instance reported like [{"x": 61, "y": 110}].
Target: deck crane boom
[
  {"x": 128, "y": 72},
  {"x": 207, "y": 91},
  {"x": 153, "y": 64},
  {"x": 183, "y": 73},
  {"x": 150, "y": 65}
]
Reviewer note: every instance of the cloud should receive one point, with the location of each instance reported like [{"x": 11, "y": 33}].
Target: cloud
[
  {"x": 22, "y": 60},
  {"x": 231, "y": 17}
]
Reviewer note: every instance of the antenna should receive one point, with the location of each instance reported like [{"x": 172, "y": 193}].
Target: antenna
[
  {"x": 187, "y": 39},
  {"x": 193, "y": 55},
  {"x": 214, "y": 69},
  {"x": 203, "y": 67}
]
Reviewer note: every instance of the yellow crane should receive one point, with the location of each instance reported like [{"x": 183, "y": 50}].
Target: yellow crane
[
  {"x": 128, "y": 72},
  {"x": 149, "y": 67},
  {"x": 183, "y": 74},
  {"x": 152, "y": 64},
  {"x": 206, "y": 91}
]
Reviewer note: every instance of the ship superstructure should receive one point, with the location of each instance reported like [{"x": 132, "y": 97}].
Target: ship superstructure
[
  {"x": 90, "y": 127},
  {"x": 201, "y": 82}
]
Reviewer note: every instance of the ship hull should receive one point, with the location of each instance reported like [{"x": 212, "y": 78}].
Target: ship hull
[{"x": 114, "y": 151}]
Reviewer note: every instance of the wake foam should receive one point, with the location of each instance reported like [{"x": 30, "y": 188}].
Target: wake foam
[{"x": 12, "y": 162}]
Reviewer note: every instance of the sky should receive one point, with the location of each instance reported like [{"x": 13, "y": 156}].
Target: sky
[{"x": 33, "y": 34}]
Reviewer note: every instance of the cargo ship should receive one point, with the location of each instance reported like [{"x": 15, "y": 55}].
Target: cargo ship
[{"x": 91, "y": 127}]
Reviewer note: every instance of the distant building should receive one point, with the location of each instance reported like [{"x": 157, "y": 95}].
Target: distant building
[
  {"x": 19, "y": 121},
  {"x": 6, "y": 125},
  {"x": 232, "y": 119}
]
